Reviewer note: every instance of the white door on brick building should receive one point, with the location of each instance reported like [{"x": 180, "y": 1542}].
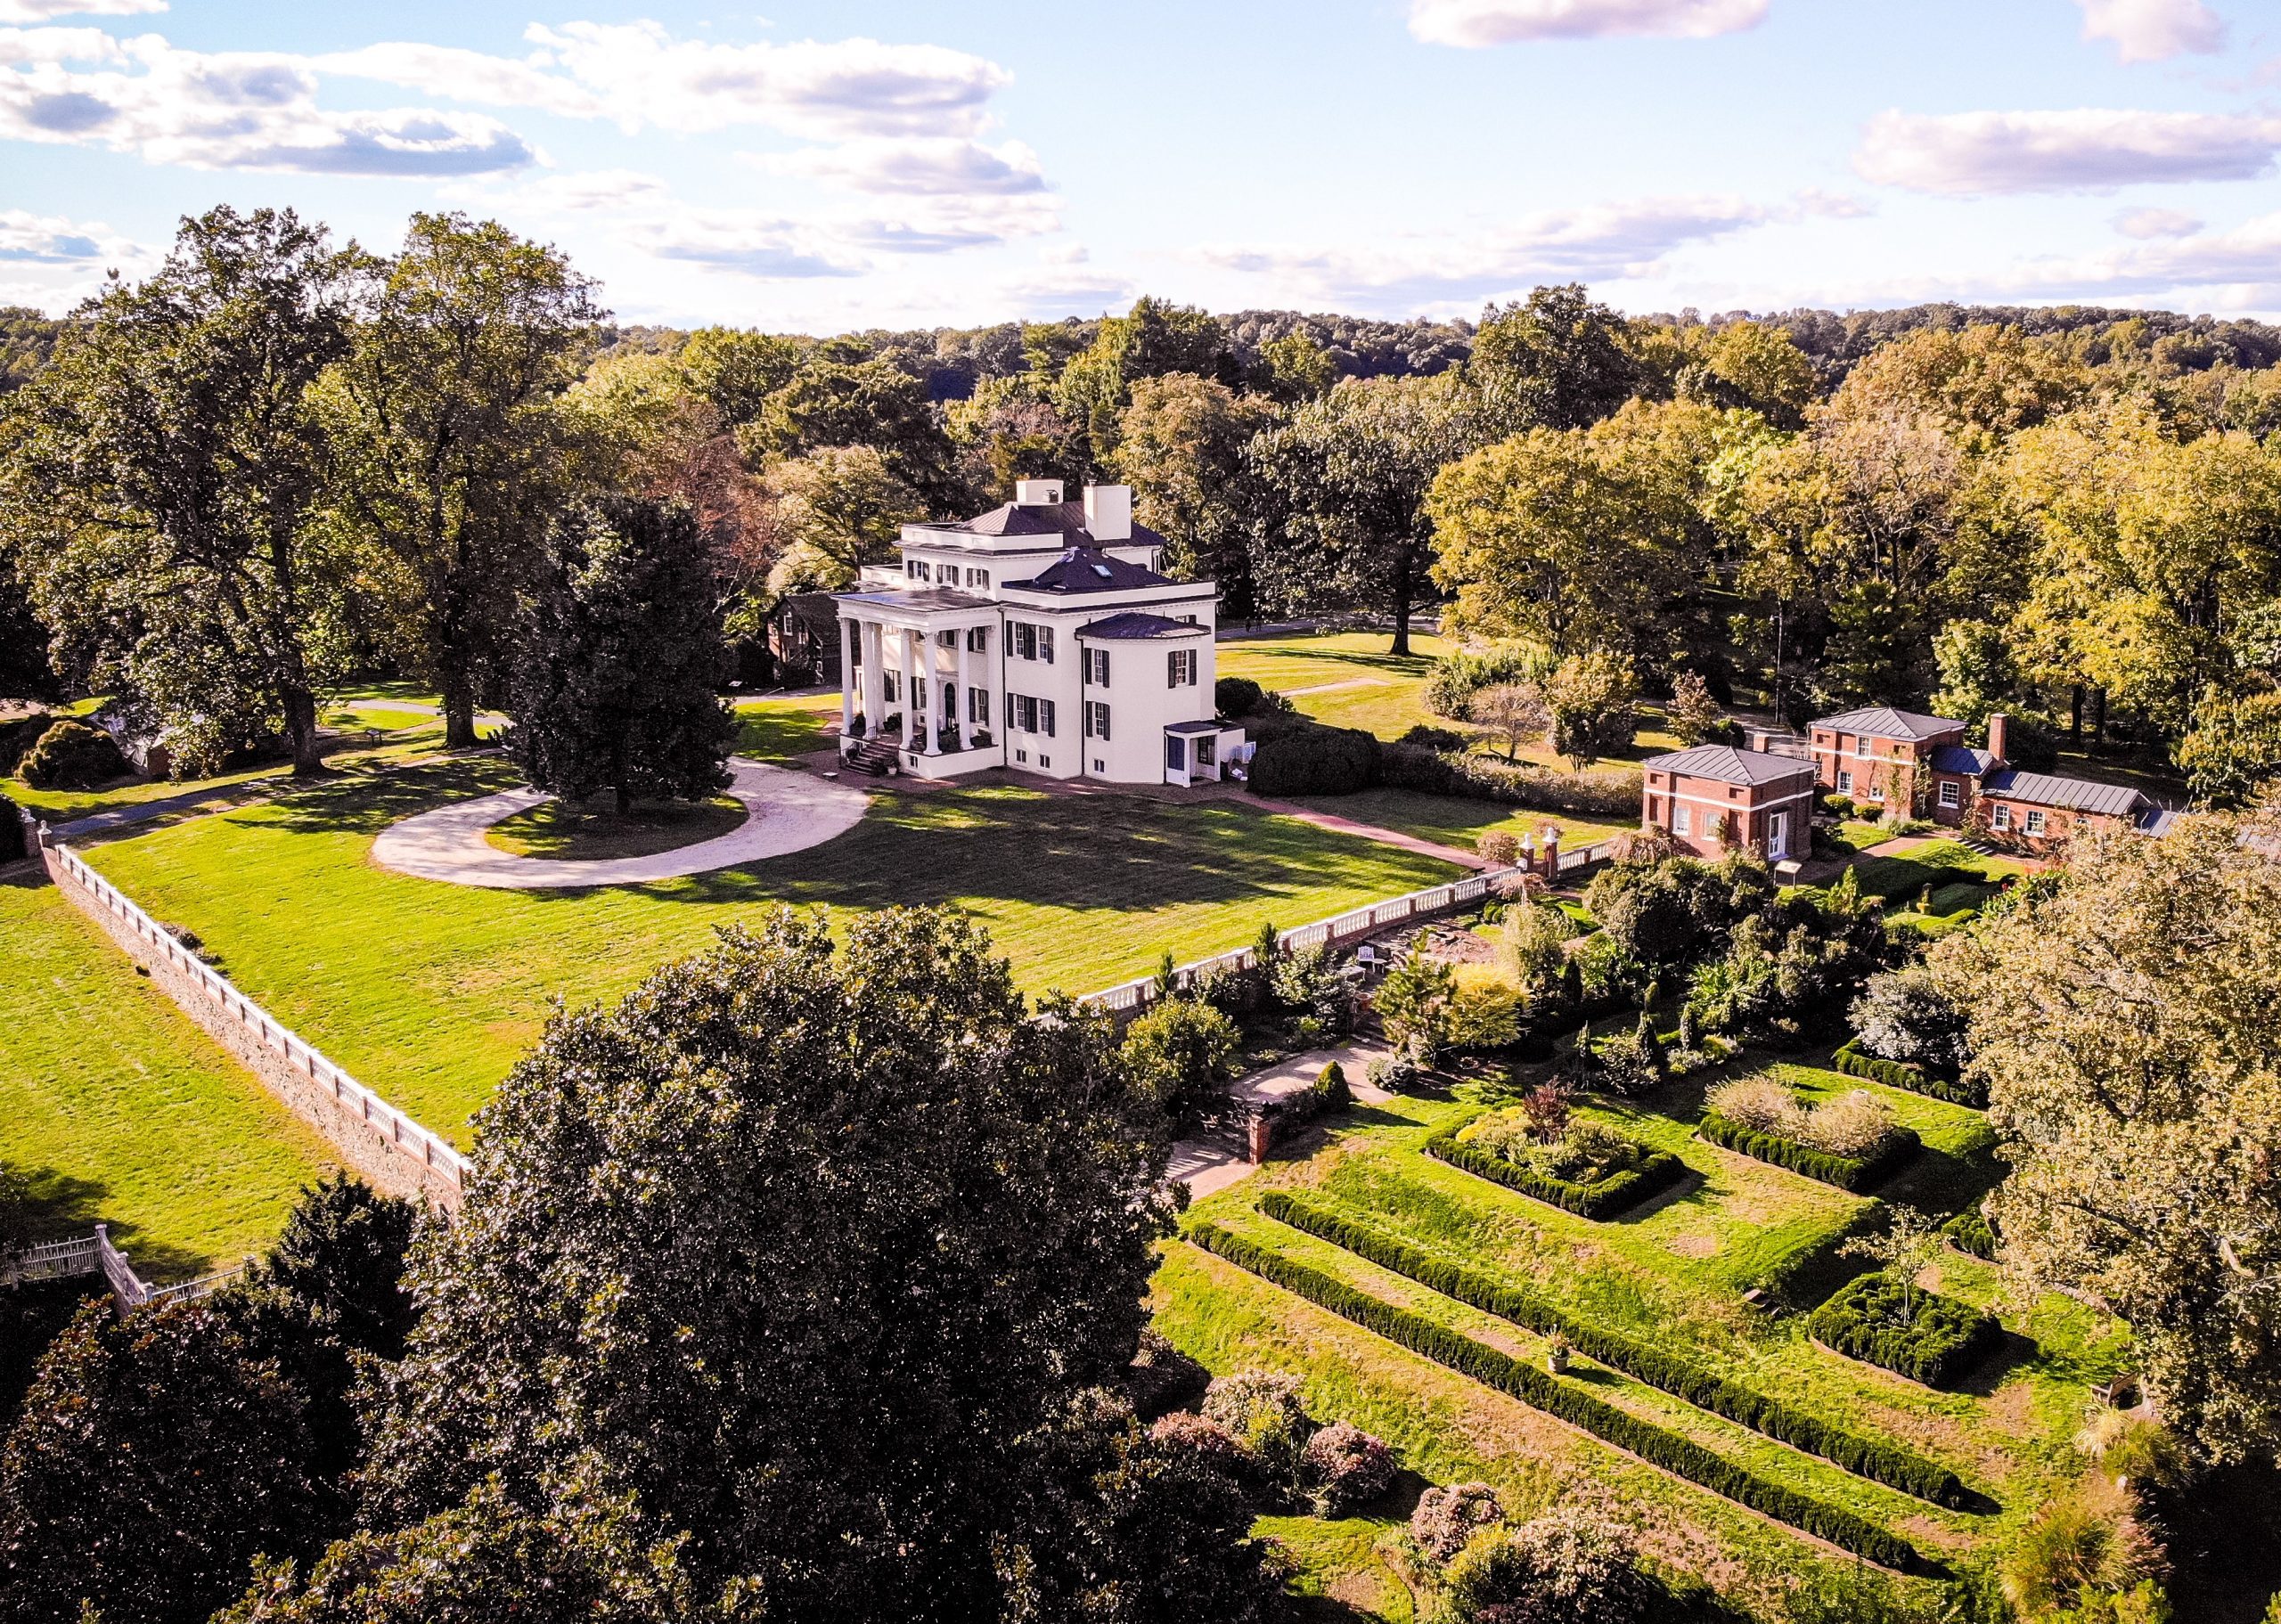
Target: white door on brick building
[{"x": 1777, "y": 834}]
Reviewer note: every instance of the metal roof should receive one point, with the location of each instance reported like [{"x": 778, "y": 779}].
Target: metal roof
[
  {"x": 920, "y": 599},
  {"x": 1958, "y": 759},
  {"x": 1728, "y": 766},
  {"x": 2076, "y": 794},
  {"x": 1884, "y": 722},
  {"x": 1133, "y": 626},
  {"x": 1065, "y": 518},
  {"x": 1089, "y": 569}
]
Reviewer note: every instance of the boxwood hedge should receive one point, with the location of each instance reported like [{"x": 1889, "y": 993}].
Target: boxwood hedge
[
  {"x": 1846, "y": 1172},
  {"x": 1657, "y": 1170},
  {"x": 1968, "y": 1231},
  {"x": 1873, "y": 1458},
  {"x": 1567, "y": 1400},
  {"x": 1941, "y": 1342},
  {"x": 1855, "y": 1061}
]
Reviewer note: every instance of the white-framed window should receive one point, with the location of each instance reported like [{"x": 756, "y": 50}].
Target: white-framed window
[
  {"x": 891, "y": 685},
  {"x": 978, "y": 705},
  {"x": 1021, "y": 713},
  {"x": 948, "y": 638},
  {"x": 1682, "y": 820},
  {"x": 1025, "y": 637},
  {"x": 977, "y": 577},
  {"x": 1845, "y": 783},
  {"x": 2035, "y": 822},
  {"x": 1046, "y": 644},
  {"x": 1045, "y": 717},
  {"x": 1952, "y": 793},
  {"x": 922, "y": 570},
  {"x": 1097, "y": 667},
  {"x": 1095, "y": 719},
  {"x": 977, "y": 639},
  {"x": 2001, "y": 819},
  {"x": 1876, "y": 792},
  {"x": 1180, "y": 668}
]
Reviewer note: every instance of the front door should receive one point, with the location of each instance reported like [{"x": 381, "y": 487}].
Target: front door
[{"x": 1778, "y": 835}]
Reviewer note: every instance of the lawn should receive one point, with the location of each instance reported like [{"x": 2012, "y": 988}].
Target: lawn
[
  {"x": 1939, "y": 862},
  {"x": 1454, "y": 822},
  {"x": 1671, "y": 1273},
  {"x": 587, "y": 831},
  {"x": 427, "y": 991},
  {"x": 124, "y": 1112},
  {"x": 779, "y": 728}
]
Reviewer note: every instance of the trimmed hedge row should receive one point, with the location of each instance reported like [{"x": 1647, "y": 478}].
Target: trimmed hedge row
[
  {"x": 1855, "y": 1061},
  {"x": 1681, "y": 1457},
  {"x": 1614, "y": 1194},
  {"x": 1846, "y": 1172},
  {"x": 1968, "y": 1231},
  {"x": 1872, "y": 1458},
  {"x": 1945, "y": 1339}
]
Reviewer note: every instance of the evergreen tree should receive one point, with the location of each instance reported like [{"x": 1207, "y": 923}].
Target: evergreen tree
[{"x": 614, "y": 674}]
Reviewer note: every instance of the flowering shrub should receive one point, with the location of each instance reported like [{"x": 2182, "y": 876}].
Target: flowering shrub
[
  {"x": 1448, "y": 1515},
  {"x": 1346, "y": 1467}
]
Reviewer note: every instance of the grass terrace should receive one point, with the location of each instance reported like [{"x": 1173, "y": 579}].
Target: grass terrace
[
  {"x": 1670, "y": 1273},
  {"x": 427, "y": 991},
  {"x": 1450, "y": 820},
  {"x": 124, "y": 1112}
]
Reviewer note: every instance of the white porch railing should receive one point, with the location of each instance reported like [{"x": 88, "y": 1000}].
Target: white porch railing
[
  {"x": 405, "y": 1135},
  {"x": 94, "y": 1255}
]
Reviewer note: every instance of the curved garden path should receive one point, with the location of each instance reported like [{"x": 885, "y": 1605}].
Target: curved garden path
[{"x": 785, "y": 811}]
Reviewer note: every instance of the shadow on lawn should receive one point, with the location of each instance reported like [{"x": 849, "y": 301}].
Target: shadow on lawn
[
  {"x": 60, "y": 1204},
  {"x": 366, "y": 802}
]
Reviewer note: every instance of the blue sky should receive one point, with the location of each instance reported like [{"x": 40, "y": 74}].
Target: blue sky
[{"x": 821, "y": 166}]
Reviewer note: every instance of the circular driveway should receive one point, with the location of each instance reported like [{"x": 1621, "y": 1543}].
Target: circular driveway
[{"x": 785, "y": 811}]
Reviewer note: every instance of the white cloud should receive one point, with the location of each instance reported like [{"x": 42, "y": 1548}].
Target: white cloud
[
  {"x": 2082, "y": 150},
  {"x": 1474, "y": 23},
  {"x": 579, "y": 191},
  {"x": 2238, "y": 268},
  {"x": 934, "y": 166},
  {"x": 750, "y": 243},
  {"x": 225, "y": 111},
  {"x": 2151, "y": 30},
  {"x": 40, "y": 10},
  {"x": 1603, "y": 243},
  {"x": 640, "y": 76},
  {"x": 2146, "y": 223},
  {"x": 51, "y": 240}
]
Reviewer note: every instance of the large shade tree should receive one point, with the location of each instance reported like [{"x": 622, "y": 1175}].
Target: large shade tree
[
  {"x": 1345, "y": 481},
  {"x": 615, "y": 669},
  {"x": 159, "y": 480},
  {"x": 799, "y": 1250},
  {"x": 454, "y": 450},
  {"x": 1181, "y": 446},
  {"x": 2127, "y": 1023}
]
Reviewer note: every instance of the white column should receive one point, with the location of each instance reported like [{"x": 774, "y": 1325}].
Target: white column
[
  {"x": 875, "y": 681},
  {"x": 914, "y": 730},
  {"x": 965, "y": 664},
  {"x": 846, "y": 674}
]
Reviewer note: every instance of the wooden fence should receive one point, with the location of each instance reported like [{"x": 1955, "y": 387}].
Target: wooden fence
[{"x": 401, "y": 1135}]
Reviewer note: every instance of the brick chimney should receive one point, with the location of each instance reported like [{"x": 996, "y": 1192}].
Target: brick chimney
[{"x": 1999, "y": 724}]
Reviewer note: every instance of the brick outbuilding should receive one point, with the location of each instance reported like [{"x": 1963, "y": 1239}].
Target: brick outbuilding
[{"x": 1715, "y": 798}]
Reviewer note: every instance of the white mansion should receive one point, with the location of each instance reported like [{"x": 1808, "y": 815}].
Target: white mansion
[{"x": 1037, "y": 636}]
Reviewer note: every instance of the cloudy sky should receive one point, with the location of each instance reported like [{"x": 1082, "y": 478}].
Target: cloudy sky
[{"x": 822, "y": 166}]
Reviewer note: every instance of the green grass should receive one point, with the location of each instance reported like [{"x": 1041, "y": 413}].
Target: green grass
[
  {"x": 579, "y": 831},
  {"x": 777, "y": 730},
  {"x": 1937, "y": 862},
  {"x": 1451, "y": 821},
  {"x": 1673, "y": 1272},
  {"x": 1337, "y": 1571},
  {"x": 124, "y": 1112},
  {"x": 427, "y": 991}
]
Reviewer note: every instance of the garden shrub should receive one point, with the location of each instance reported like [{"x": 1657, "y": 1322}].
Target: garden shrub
[
  {"x": 1330, "y": 1088},
  {"x": 1448, "y": 1515},
  {"x": 1345, "y": 1468},
  {"x": 2086, "y": 1546},
  {"x": 72, "y": 755},
  {"x": 1236, "y": 697},
  {"x": 1456, "y": 678},
  {"x": 1837, "y": 806},
  {"x": 1500, "y": 847},
  {"x": 1890, "y": 1322},
  {"x": 1567, "y": 1400},
  {"x": 1182, "y": 1053},
  {"x": 1874, "y": 1459},
  {"x": 1571, "y": 1565},
  {"x": 1904, "y": 1015},
  {"x": 13, "y": 843},
  {"x": 18, "y": 736},
  {"x": 1427, "y": 737},
  {"x": 1846, "y": 1172},
  {"x": 1481, "y": 1014},
  {"x": 1306, "y": 985},
  {"x": 1396, "y": 1073},
  {"x": 1261, "y": 1410},
  {"x": 1853, "y": 1062},
  {"x": 1969, "y": 1231},
  {"x": 1185, "y": 1429},
  {"x": 1315, "y": 760},
  {"x": 1626, "y": 1187}
]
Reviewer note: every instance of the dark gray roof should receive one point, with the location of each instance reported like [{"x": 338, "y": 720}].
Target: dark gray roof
[
  {"x": 2077, "y": 794},
  {"x": 1728, "y": 766},
  {"x": 1884, "y": 722},
  {"x": 1198, "y": 727},
  {"x": 1134, "y": 625},
  {"x": 1065, "y": 518},
  {"x": 1089, "y": 569},
  {"x": 1955, "y": 758}
]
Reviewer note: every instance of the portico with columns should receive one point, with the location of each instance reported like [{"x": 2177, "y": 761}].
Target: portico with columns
[{"x": 921, "y": 673}]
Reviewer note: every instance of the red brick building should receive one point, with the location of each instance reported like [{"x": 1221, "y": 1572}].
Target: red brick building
[
  {"x": 1885, "y": 758},
  {"x": 1715, "y": 798}
]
